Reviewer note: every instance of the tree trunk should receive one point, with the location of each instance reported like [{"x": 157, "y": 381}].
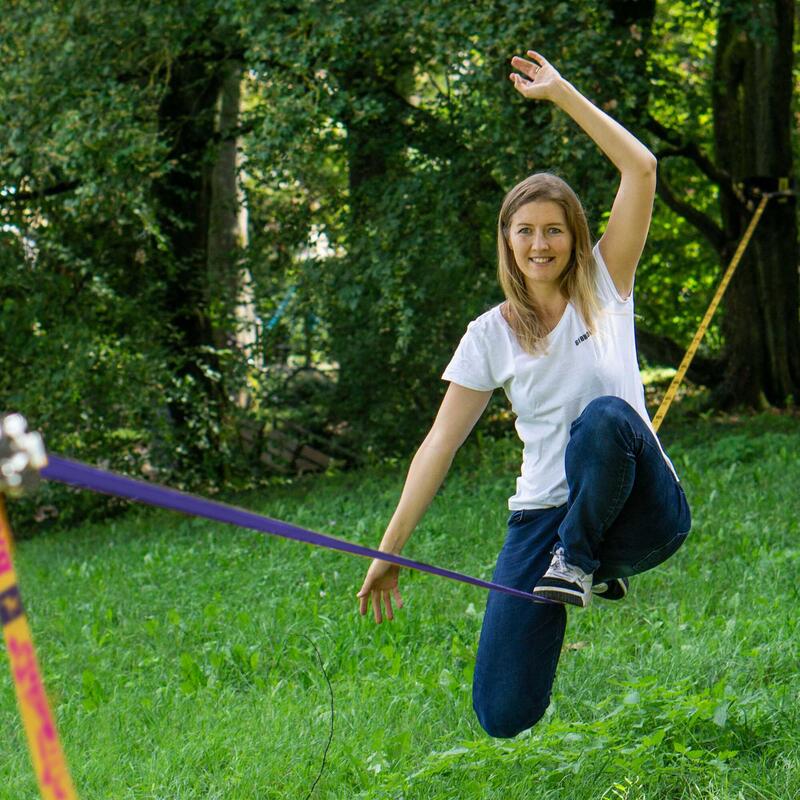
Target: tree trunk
[
  {"x": 356, "y": 343},
  {"x": 230, "y": 292},
  {"x": 187, "y": 119},
  {"x": 752, "y": 132},
  {"x": 223, "y": 222},
  {"x": 363, "y": 339}
]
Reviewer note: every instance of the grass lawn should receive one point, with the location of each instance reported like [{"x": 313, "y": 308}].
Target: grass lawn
[{"x": 180, "y": 655}]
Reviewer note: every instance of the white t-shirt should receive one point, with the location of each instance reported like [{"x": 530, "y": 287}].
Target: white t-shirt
[{"x": 548, "y": 392}]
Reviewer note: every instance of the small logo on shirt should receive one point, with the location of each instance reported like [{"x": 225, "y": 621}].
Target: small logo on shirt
[{"x": 582, "y": 338}]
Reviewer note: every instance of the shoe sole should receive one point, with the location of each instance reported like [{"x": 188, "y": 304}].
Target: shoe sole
[{"x": 563, "y": 596}]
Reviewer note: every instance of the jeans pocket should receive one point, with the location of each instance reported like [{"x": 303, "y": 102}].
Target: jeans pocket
[
  {"x": 660, "y": 554},
  {"x": 515, "y": 516}
]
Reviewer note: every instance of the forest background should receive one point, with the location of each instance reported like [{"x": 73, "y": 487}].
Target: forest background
[{"x": 220, "y": 219}]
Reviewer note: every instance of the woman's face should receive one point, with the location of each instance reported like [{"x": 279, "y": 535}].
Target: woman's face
[{"x": 541, "y": 241}]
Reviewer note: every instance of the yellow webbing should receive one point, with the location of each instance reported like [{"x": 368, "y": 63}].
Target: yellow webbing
[
  {"x": 687, "y": 358},
  {"x": 40, "y": 727}
]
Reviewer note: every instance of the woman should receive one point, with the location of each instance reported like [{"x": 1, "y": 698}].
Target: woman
[{"x": 597, "y": 499}]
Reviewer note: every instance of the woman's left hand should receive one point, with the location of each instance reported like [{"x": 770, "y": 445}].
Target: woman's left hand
[{"x": 543, "y": 78}]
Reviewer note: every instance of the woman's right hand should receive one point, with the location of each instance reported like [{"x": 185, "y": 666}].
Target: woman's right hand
[
  {"x": 543, "y": 80},
  {"x": 380, "y": 584}
]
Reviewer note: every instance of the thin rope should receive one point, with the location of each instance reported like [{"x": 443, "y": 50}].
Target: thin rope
[{"x": 330, "y": 735}]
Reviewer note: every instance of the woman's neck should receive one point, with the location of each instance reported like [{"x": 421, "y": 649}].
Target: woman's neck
[{"x": 549, "y": 315}]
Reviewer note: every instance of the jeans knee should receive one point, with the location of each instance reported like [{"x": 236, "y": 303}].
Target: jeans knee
[
  {"x": 505, "y": 723},
  {"x": 604, "y": 413}
]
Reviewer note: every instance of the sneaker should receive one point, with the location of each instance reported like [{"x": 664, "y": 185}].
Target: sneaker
[
  {"x": 614, "y": 589},
  {"x": 564, "y": 582}
]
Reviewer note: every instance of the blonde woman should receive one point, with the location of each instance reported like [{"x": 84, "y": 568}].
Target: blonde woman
[{"x": 597, "y": 499}]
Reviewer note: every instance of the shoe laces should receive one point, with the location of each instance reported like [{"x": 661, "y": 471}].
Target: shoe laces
[{"x": 560, "y": 567}]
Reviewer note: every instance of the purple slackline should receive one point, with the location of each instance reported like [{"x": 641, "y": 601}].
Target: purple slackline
[{"x": 75, "y": 473}]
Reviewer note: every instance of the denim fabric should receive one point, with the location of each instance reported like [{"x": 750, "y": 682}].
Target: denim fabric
[{"x": 625, "y": 514}]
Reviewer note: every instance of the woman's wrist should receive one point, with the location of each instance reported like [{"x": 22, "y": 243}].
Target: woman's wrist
[
  {"x": 393, "y": 540},
  {"x": 560, "y": 92}
]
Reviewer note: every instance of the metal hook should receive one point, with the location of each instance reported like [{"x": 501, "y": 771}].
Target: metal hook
[{"x": 22, "y": 455}]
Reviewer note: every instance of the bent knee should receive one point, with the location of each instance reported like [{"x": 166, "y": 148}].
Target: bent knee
[
  {"x": 607, "y": 404},
  {"x": 606, "y": 410},
  {"x": 505, "y": 723}
]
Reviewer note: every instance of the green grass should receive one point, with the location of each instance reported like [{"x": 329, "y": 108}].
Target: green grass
[{"x": 176, "y": 658}]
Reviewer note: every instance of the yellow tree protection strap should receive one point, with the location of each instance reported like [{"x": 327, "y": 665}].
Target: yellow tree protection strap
[
  {"x": 40, "y": 727},
  {"x": 687, "y": 358}
]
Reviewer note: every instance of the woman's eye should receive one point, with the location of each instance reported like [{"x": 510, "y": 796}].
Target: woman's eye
[{"x": 557, "y": 230}]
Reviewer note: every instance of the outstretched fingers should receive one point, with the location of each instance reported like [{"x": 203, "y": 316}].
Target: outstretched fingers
[
  {"x": 387, "y": 601},
  {"x": 379, "y": 587},
  {"x": 375, "y": 596},
  {"x": 539, "y": 79}
]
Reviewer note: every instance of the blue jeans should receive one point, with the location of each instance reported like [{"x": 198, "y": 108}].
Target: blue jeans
[{"x": 625, "y": 514}]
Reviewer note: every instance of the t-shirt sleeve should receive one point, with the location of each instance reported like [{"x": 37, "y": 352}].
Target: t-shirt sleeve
[
  {"x": 471, "y": 364},
  {"x": 605, "y": 284}
]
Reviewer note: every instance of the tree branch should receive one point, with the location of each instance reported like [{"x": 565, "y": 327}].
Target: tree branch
[
  {"x": 663, "y": 350},
  {"x": 703, "y": 223},
  {"x": 50, "y": 191},
  {"x": 690, "y": 150},
  {"x": 447, "y": 143}
]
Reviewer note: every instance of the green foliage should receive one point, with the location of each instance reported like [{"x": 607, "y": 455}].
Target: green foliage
[
  {"x": 642, "y": 732},
  {"x": 174, "y": 649},
  {"x": 74, "y": 348},
  {"x": 377, "y": 142}
]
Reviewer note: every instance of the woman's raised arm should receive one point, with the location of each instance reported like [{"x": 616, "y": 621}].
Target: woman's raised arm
[{"x": 626, "y": 232}]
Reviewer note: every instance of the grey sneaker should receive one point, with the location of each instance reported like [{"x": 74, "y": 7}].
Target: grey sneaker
[{"x": 565, "y": 583}]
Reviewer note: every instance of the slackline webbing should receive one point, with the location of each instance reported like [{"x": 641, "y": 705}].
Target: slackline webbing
[
  {"x": 49, "y": 764},
  {"x": 689, "y": 355},
  {"x": 75, "y": 473}
]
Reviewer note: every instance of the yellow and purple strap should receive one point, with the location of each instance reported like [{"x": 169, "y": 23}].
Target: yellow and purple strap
[{"x": 40, "y": 727}]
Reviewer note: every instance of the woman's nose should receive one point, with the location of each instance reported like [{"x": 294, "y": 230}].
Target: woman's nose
[{"x": 540, "y": 241}]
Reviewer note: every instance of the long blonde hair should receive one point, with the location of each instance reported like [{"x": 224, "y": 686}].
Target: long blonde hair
[{"x": 577, "y": 283}]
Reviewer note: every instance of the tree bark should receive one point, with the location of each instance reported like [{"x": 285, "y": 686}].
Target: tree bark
[
  {"x": 663, "y": 350},
  {"x": 751, "y": 98},
  {"x": 223, "y": 223},
  {"x": 371, "y": 141},
  {"x": 230, "y": 291},
  {"x": 362, "y": 342},
  {"x": 186, "y": 119}
]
